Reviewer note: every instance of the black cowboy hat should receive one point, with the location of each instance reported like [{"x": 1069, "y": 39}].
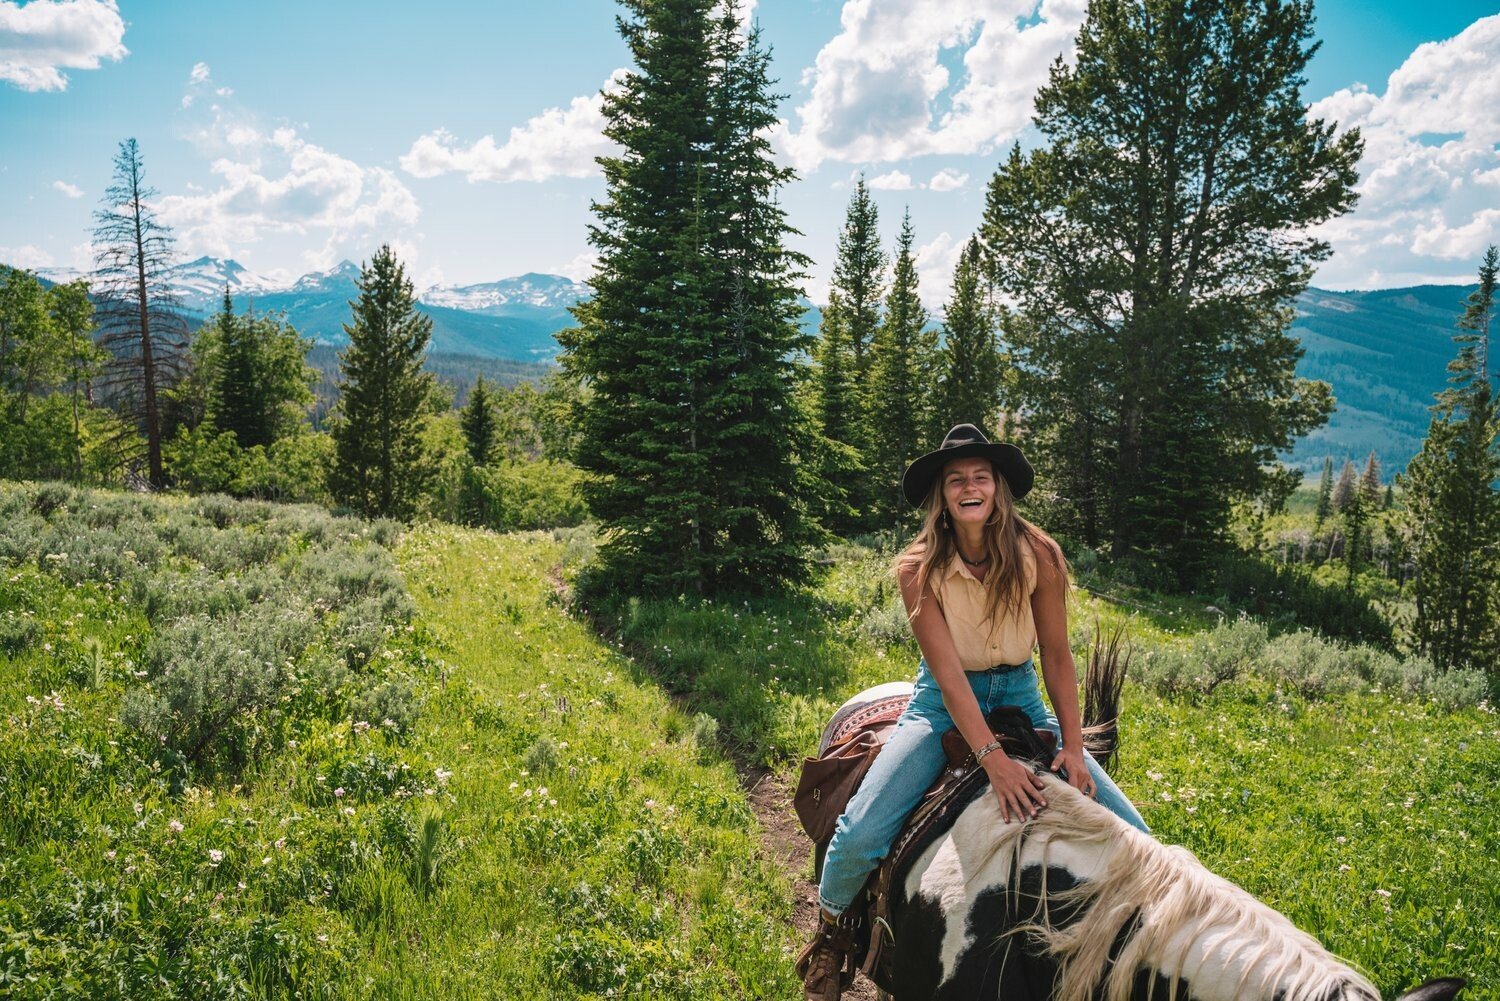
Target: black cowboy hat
[{"x": 963, "y": 441}]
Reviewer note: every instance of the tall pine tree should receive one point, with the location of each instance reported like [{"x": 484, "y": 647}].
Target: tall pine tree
[
  {"x": 689, "y": 341},
  {"x": 140, "y": 322},
  {"x": 903, "y": 367},
  {"x": 858, "y": 276},
  {"x": 478, "y": 423},
  {"x": 1452, "y": 511},
  {"x": 1153, "y": 269},
  {"x": 969, "y": 388},
  {"x": 379, "y": 469},
  {"x": 1325, "y": 493}
]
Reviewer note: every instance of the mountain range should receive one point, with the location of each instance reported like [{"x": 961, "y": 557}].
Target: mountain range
[
  {"x": 512, "y": 319},
  {"x": 1385, "y": 352}
]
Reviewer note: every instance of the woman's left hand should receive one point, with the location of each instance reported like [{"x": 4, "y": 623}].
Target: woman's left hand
[{"x": 1078, "y": 775}]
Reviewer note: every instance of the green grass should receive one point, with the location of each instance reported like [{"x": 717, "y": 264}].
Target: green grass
[
  {"x": 555, "y": 818},
  {"x": 546, "y": 824},
  {"x": 1261, "y": 783}
]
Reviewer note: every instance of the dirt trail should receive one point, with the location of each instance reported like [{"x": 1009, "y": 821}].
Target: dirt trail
[
  {"x": 783, "y": 841},
  {"x": 781, "y": 836}
]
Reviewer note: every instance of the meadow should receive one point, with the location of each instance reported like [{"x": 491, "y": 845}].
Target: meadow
[{"x": 439, "y": 777}]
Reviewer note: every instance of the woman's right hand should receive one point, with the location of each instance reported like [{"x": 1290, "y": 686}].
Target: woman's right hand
[{"x": 1018, "y": 787}]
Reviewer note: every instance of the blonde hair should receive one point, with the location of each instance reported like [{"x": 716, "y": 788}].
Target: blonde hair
[{"x": 1004, "y": 534}]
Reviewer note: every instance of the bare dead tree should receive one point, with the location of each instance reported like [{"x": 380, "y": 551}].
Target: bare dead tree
[
  {"x": 140, "y": 323},
  {"x": 1103, "y": 679}
]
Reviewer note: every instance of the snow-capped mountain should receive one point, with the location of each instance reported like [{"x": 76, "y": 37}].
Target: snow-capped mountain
[
  {"x": 340, "y": 278},
  {"x": 200, "y": 284},
  {"x": 533, "y": 291}
]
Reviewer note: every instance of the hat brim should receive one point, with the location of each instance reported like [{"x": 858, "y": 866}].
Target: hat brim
[{"x": 916, "y": 482}]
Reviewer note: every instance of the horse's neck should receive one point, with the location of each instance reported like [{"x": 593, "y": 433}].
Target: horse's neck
[{"x": 1179, "y": 920}]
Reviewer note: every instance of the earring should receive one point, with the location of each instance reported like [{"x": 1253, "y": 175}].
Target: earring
[{"x": 945, "y": 517}]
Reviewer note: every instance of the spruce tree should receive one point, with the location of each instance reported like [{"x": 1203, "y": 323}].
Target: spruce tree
[
  {"x": 478, "y": 423},
  {"x": 688, "y": 344},
  {"x": 233, "y": 398},
  {"x": 837, "y": 411},
  {"x": 1154, "y": 269},
  {"x": 1343, "y": 490},
  {"x": 1452, "y": 509},
  {"x": 379, "y": 469},
  {"x": 140, "y": 322},
  {"x": 1356, "y": 518},
  {"x": 858, "y": 276},
  {"x": 903, "y": 366},
  {"x": 1325, "y": 493},
  {"x": 259, "y": 382},
  {"x": 1369, "y": 482},
  {"x": 969, "y": 387}
]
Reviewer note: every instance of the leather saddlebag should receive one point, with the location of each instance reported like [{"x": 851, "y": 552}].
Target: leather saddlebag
[{"x": 828, "y": 782}]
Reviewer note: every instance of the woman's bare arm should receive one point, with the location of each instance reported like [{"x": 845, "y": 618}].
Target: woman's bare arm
[
  {"x": 1016, "y": 786},
  {"x": 1049, "y": 610}
]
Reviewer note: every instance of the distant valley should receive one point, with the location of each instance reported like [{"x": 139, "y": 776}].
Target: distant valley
[{"x": 1385, "y": 352}]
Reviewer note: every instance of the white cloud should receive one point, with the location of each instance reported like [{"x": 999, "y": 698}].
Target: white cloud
[
  {"x": 894, "y": 181},
  {"x": 1427, "y": 207},
  {"x": 935, "y": 263},
  {"x": 881, "y": 91},
  {"x": 559, "y": 142},
  {"x": 948, "y": 179},
  {"x": 283, "y": 184},
  {"x": 199, "y": 73},
  {"x": 581, "y": 267},
  {"x": 71, "y": 190},
  {"x": 42, "y": 38},
  {"x": 26, "y": 257}
]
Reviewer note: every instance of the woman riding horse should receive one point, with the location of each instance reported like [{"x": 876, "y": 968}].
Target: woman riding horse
[{"x": 982, "y": 587}]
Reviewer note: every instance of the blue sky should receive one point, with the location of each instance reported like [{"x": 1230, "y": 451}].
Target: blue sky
[{"x": 290, "y": 136}]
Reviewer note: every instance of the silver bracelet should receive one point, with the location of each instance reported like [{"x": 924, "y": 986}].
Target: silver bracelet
[{"x": 993, "y": 745}]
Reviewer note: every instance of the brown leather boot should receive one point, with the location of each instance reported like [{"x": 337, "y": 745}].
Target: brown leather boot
[{"x": 822, "y": 964}]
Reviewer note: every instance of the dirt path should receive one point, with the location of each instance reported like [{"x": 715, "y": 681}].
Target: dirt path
[
  {"x": 783, "y": 841},
  {"x": 781, "y": 836}
]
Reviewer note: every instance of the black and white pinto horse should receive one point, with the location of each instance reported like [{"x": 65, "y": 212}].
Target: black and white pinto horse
[{"x": 1075, "y": 904}]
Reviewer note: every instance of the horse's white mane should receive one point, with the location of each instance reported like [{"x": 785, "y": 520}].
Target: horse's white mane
[{"x": 1180, "y": 909}]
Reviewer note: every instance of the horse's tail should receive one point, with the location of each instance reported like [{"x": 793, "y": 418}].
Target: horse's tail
[{"x": 1102, "y": 681}]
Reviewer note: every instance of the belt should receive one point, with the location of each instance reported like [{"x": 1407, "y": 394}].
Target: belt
[{"x": 1005, "y": 668}]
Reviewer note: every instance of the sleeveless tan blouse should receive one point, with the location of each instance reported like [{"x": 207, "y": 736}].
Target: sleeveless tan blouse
[{"x": 983, "y": 644}]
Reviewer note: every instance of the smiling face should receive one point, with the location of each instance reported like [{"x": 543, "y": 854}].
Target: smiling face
[{"x": 969, "y": 490}]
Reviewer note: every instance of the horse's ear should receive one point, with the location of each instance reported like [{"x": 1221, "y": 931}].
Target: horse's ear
[{"x": 1436, "y": 990}]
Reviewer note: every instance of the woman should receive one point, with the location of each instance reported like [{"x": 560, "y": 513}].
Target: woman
[{"x": 982, "y": 588}]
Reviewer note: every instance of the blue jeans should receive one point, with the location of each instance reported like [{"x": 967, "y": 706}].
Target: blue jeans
[{"x": 912, "y": 759}]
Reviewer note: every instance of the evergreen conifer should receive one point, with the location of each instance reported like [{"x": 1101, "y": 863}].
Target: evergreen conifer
[
  {"x": 1369, "y": 482},
  {"x": 1325, "y": 492},
  {"x": 688, "y": 345},
  {"x": 1154, "y": 273},
  {"x": 379, "y": 468},
  {"x": 140, "y": 321},
  {"x": 1343, "y": 490},
  {"x": 478, "y": 423},
  {"x": 903, "y": 366},
  {"x": 970, "y": 381},
  {"x": 1452, "y": 509}
]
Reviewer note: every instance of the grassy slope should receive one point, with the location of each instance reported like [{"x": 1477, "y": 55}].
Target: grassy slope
[
  {"x": 643, "y": 876},
  {"x": 579, "y": 842},
  {"x": 1314, "y": 806}
]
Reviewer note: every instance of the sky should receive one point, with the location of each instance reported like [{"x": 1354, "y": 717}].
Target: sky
[{"x": 291, "y": 135}]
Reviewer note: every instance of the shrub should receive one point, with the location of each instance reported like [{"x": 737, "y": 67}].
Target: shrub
[
  {"x": 1309, "y": 665},
  {"x": 217, "y": 682},
  {"x": 1206, "y": 662},
  {"x": 511, "y": 496},
  {"x": 1267, "y": 589}
]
